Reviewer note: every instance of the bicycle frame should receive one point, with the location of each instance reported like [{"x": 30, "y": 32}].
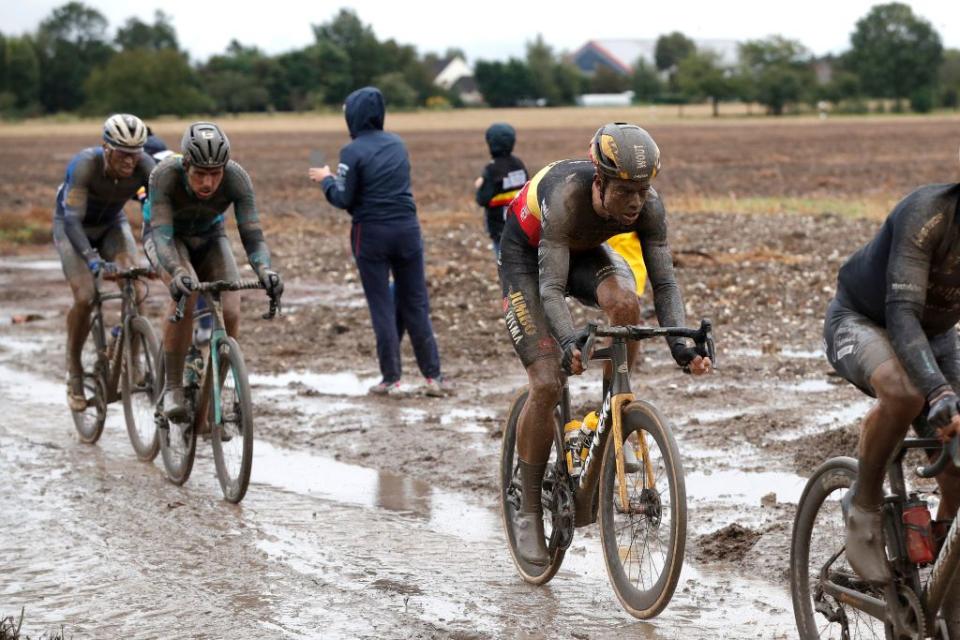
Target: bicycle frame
[
  {"x": 211, "y": 375},
  {"x": 128, "y": 311},
  {"x": 946, "y": 565}
]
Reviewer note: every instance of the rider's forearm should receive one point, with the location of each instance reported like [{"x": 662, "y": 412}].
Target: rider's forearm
[
  {"x": 667, "y": 299},
  {"x": 166, "y": 250},
  {"x": 75, "y": 233},
  {"x": 554, "y": 267},
  {"x": 251, "y": 235},
  {"x": 912, "y": 347}
]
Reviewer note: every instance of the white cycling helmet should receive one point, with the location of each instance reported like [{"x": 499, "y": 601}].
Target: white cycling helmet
[{"x": 124, "y": 131}]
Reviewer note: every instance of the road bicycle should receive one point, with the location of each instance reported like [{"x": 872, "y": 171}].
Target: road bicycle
[
  {"x": 642, "y": 511},
  {"x": 121, "y": 366},
  {"x": 829, "y": 599},
  {"x": 217, "y": 394}
]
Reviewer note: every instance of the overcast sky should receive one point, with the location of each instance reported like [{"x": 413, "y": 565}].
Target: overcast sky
[{"x": 492, "y": 29}]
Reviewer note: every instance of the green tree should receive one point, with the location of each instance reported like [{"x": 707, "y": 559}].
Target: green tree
[
  {"x": 21, "y": 76},
  {"x": 240, "y": 79},
  {"x": 775, "y": 71},
  {"x": 147, "y": 83},
  {"x": 397, "y": 92},
  {"x": 570, "y": 82},
  {"x": 540, "y": 61},
  {"x": 701, "y": 76},
  {"x": 671, "y": 49},
  {"x": 948, "y": 78},
  {"x": 318, "y": 74},
  {"x": 136, "y": 34},
  {"x": 606, "y": 80},
  {"x": 504, "y": 84},
  {"x": 364, "y": 55},
  {"x": 70, "y": 43},
  {"x": 645, "y": 82},
  {"x": 895, "y": 53}
]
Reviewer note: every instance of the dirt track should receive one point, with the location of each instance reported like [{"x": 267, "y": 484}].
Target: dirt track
[{"x": 377, "y": 518}]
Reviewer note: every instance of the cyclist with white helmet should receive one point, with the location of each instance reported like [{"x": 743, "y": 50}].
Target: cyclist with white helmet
[
  {"x": 90, "y": 228},
  {"x": 554, "y": 245},
  {"x": 188, "y": 197}
]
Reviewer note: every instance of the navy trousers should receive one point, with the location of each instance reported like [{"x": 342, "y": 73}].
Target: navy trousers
[{"x": 382, "y": 249}]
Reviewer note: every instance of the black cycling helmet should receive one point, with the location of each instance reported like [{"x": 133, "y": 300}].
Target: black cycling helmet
[
  {"x": 625, "y": 151},
  {"x": 124, "y": 131},
  {"x": 205, "y": 145}
]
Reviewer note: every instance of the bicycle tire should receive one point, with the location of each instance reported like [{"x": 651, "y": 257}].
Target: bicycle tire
[
  {"x": 138, "y": 411},
  {"x": 177, "y": 461},
  {"x": 530, "y": 573},
  {"x": 240, "y": 416},
  {"x": 638, "y": 600},
  {"x": 89, "y": 422},
  {"x": 836, "y": 474}
]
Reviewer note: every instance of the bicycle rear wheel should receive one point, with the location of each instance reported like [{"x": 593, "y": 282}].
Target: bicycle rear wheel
[
  {"x": 817, "y": 544},
  {"x": 510, "y": 499},
  {"x": 138, "y": 387},
  {"x": 644, "y": 541},
  {"x": 178, "y": 442},
  {"x": 233, "y": 438},
  {"x": 89, "y": 422}
]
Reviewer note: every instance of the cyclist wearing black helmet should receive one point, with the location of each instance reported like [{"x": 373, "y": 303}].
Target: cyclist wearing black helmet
[
  {"x": 553, "y": 244},
  {"x": 90, "y": 229},
  {"x": 187, "y": 199}
]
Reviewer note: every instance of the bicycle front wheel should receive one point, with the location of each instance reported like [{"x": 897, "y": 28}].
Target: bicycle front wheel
[
  {"x": 817, "y": 548},
  {"x": 138, "y": 386},
  {"x": 644, "y": 540},
  {"x": 178, "y": 441},
  {"x": 89, "y": 422},
  {"x": 233, "y": 437}
]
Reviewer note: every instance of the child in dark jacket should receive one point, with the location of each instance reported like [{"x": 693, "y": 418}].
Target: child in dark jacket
[{"x": 501, "y": 180}]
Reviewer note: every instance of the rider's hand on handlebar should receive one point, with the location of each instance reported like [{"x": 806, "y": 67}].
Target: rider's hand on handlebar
[
  {"x": 571, "y": 360},
  {"x": 699, "y": 366},
  {"x": 182, "y": 284},
  {"x": 944, "y": 413},
  {"x": 271, "y": 282}
]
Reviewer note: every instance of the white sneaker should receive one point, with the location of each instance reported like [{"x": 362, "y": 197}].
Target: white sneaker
[{"x": 437, "y": 387}]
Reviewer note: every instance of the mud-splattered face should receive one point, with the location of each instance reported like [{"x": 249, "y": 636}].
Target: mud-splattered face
[
  {"x": 204, "y": 182},
  {"x": 622, "y": 199},
  {"x": 121, "y": 162}
]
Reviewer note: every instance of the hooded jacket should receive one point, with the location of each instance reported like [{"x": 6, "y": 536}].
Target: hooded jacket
[{"x": 373, "y": 178}]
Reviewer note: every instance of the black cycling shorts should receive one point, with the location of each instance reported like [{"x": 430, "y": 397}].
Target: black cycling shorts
[
  {"x": 520, "y": 282},
  {"x": 208, "y": 257}
]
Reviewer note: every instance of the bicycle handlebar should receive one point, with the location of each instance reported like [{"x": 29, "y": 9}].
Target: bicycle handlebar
[
  {"x": 226, "y": 285},
  {"x": 132, "y": 273},
  {"x": 949, "y": 453},
  {"x": 702, "y": 337}
]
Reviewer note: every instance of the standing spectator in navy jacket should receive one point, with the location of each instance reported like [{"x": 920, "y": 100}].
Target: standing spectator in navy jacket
[
  {"x": 501, "y": 180},
  {"x": 373, "y": 184}
]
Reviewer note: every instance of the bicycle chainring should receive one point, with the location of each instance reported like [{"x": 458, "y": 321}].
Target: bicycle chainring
[
  {"x": 562, "y": 510},
  {"x": 907, "y": 616}
]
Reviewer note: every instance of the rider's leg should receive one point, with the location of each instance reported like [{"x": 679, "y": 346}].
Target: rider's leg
[
  {"x": 535, "y": 429},
  {"x": 618, "y": 299},
  {"x": 176, "y": 341},
  {"x": 83, "y": 288}
]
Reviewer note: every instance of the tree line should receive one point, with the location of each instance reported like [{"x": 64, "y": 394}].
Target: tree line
[{"x": 71, "y": 64}]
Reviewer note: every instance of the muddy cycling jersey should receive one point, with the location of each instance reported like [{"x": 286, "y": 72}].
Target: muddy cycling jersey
[
  {"x": 176, "y": 212},
  {"x": 88, "y": 197},
  {"x": 907, "y": 279},
  {"x": 555, "y": 212}
]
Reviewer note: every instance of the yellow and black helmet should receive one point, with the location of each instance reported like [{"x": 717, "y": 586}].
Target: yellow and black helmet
[{"x": 625, "y": 151}]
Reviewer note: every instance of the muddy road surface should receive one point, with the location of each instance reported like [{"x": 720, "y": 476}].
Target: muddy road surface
[{"x": 378, "y": 518}]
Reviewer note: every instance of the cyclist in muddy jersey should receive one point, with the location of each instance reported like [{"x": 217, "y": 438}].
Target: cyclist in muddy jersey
[
  {"x": 90, "y": 229},
  {"x": 890, "y": 331},
  {"x": 188, "y": 196},
  {"x": 553, "y": 245}
]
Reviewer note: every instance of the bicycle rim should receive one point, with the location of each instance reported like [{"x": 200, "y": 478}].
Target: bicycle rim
[
  {"x": 510, "y": 500},
  {"x": 233, "y": 438},
  {"x": 139, "y": 388},
  {"x": 89, "y": 422},
  {"x": 178, "y": 442},
  {"x": 644, "y": 543},
  {"x": 818, "y": 535}
]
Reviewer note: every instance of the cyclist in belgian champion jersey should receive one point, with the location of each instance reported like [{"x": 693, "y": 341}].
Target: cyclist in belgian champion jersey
[
  {"x": 891, "y": 332},
  {"x": 188, "y": 196},
  {"x": 553, "y": 244},
  {"x": 90, "y": 228}
]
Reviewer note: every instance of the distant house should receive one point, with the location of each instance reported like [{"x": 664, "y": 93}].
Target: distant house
[
  {"x": 620, "y": 54},
  {"x": 456, "y": 75},
  {"x": 624, "y": 99}
]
